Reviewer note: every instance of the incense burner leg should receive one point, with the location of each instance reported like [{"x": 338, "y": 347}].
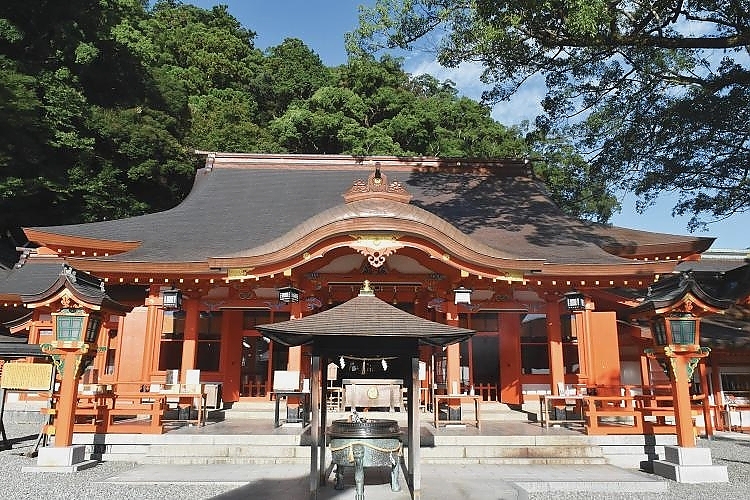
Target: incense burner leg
[
  {"x": 339, "y": 477},
  {"x": 394, "y": 473},
  {"x": 359, "y": 470}
]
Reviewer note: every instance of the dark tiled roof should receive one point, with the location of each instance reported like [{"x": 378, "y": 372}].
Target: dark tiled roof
[
  {"x": 19, "y": 350},
  {"x": 34, "y": 281},
  {"x": 364, "y": 316},
  {"x": 730, "y": 330},
  {"x": 17, "y": 346},
  {"x": 234, "y": 208},
  {"x": 672, "y": 289},
  {"x": 30, "y": 279}
]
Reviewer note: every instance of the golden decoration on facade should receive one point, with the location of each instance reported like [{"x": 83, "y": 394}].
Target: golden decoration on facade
[
  {"x": 68, "y": 302},
  {"x": 240, "y": 273},
  {"x": 376, "y": 247}
]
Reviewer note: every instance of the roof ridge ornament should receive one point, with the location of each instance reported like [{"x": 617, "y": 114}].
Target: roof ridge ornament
[
  {"x": 377, "y": 186},
  {"x": 366, "y": 289}
]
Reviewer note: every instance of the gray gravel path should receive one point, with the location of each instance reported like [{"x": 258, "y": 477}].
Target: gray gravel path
[{"x": 730, "y": 449}]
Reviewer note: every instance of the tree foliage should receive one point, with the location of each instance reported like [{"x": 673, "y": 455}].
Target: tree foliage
[
  {"x": 102, "y": 105},
  {"x": 656, "y": 93}
]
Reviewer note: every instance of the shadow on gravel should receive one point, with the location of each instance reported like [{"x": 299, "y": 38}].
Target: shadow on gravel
[
  {"x": 18, "y": 440},
  {"x": 377, "y": 486}
]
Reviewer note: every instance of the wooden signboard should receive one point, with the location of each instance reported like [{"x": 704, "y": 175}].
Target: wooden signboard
[{"x": 26, "y": 376}]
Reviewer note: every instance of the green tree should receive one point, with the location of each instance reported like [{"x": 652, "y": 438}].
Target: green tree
[
  {"x": 47, "y": 51},
  {"x": 290, "y": 73},
  {"x": 103, "y": 103},
  {"x": 225, "y": 120},
  {"x": 206, "y": 49},
  {"x": 656, "y": 93}
]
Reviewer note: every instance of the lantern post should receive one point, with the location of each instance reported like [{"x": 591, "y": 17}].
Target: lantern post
[
  {"x": 676, "y": 338},
  {"x": 677, "y": 349},
  {"x": 79, "y": 306}
]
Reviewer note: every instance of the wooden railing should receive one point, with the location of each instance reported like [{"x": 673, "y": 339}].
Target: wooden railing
[
  {"x": 638, "y": 410},
  {"x": 116, "y": 411},
  {"x": 488, "y": 392},
  {"x": 121, "y": 412}
]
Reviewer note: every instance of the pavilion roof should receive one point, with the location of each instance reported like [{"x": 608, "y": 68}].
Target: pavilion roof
[
  {"x": 12, "y": 346},
  {"x": 364, "y": 316}
]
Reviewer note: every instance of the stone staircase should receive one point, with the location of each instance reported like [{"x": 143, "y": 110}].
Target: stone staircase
[
  {"x": 230, "y": 449},
  {"x": 254, "y": 410},
  {"x": 244, "y": 434}
]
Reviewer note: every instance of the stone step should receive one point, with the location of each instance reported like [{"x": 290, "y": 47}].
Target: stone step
[
  {"x": 279, "y": 450},
  {"x": 266, "y": 445},
  {"x": 301, "y": 454},
  {"x": 490, "y": 411},
  {"x": 515, "y": 461},
  {"x": 223, "y": 454}
]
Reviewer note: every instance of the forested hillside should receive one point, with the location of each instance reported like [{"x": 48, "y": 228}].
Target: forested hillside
[{"x": 102, "y": 104}]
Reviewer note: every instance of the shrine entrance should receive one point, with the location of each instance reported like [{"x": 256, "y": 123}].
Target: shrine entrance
[{"x": 480, "y": 365}]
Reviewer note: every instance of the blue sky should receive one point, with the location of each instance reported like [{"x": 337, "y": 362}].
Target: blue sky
[{"x": 321, "y": 25}]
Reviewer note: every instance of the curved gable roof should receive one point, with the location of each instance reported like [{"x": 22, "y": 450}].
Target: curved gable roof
[{"x": 371, "y": 216}]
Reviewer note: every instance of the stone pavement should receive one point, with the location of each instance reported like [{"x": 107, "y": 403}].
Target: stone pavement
[{"x": 468, "y": 482}]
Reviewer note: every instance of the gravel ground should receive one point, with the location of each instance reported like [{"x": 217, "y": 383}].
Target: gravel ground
[
  {"x": 730, "y": 449},
  {"x": 727, "y": 448}
]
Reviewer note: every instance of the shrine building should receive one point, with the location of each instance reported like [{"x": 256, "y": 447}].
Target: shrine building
[{"x": 558, "y": 304}]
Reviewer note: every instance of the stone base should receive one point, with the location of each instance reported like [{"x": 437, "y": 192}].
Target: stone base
[
  {"x": 690, "y": 465},
  {"x": 61, "y": 459},
  {"x": 297, "y": 425}
]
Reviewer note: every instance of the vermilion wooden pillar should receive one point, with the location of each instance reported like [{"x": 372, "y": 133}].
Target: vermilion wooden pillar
[
  {"x": 231, "y": 353},
  {"x": 604, "y": 352},
  {"x": 295, "y": 353},
  {"x": 152, "y": 341},
  {"x": 707, "y": 420},
  {"x": 716, "y": 386},
  {"x": 681, "y": 360},
  {"x": 190, "y": 335},
  {"x": 68, "y": 362},
  {"x": 581, "y": 325},
  {"x": 510, "y": 358},
  {"x": 645, "y": 371},
  {"x": 683, "y": 411},
  {"x": 554, "y": 339},
  {"x": 453, "y": 353}
]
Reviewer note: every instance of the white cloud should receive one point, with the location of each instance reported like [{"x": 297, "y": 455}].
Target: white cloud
[
  {"x": 466, "y": 76},
  {"x": 524, "y": 105}
]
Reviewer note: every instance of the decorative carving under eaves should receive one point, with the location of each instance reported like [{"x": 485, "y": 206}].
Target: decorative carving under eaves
[
  {"x": 376, "y": 186},
  {"x": 244, "y": 291},
  {"x": 67, "y": 302},
  {"x": 437, "y": 303},
  {"x": 468, "y": 307},
  {"x": 375, "y": 247},
  {"x": 312, "y": 303},
  {"x": 369, "y": 269}
]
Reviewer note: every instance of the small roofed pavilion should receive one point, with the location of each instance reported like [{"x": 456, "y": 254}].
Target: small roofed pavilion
[{"x": 364, "y": 326}]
